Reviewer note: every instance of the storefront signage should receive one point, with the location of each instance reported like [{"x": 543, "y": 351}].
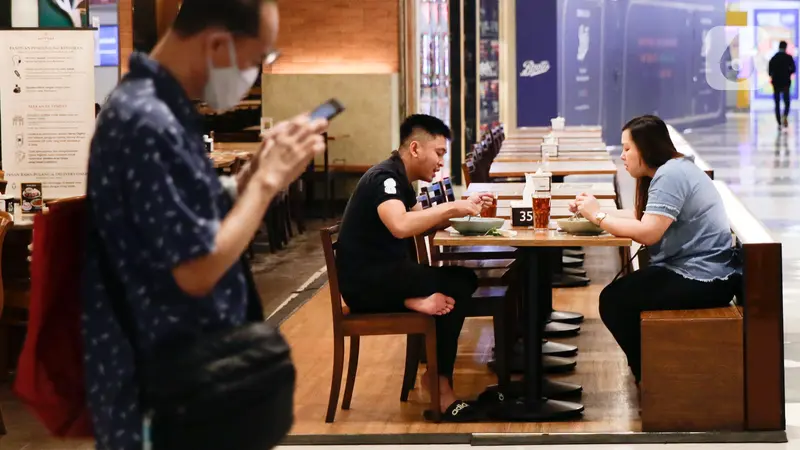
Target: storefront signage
[
  {"x": 537, "y": 62},
  {"x": 581, "y": 31}
]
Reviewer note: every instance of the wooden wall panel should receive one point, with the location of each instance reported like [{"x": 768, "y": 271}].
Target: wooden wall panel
[
  {"x": 763, "y": 297},
  {"x": 339, "y": 36},
  {"x": 166, "y": 11},
  {"x": 125, "y": 11}
]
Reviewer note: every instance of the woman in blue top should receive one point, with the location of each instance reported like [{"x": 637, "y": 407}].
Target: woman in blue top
[{"x": 680, "y": 217}]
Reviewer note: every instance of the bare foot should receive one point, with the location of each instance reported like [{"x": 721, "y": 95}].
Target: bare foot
[
  {"x": 435, "y": 305},
  {"x": 446, "y": 395}
]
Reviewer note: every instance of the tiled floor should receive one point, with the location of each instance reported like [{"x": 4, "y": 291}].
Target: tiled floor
[{"x": 758, "y": 162}]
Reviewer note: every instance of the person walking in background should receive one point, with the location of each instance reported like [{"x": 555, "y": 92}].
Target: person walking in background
[
  {"x": 165, "y": 279},
  {"x": 781, "y": 69}
]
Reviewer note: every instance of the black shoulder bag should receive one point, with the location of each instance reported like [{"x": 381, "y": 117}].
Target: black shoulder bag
[{"x": 229, "y": 389}]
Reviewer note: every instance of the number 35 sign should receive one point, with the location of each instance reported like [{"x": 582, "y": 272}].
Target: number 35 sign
[{"x": 522, "y": 217}]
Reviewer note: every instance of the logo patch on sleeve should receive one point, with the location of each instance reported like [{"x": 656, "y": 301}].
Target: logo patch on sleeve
[{"x": 390, "y": 186}]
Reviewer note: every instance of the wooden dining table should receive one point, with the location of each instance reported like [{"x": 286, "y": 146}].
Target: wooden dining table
[
  {"x": 572, "y": 130},
  {"x": 537, "y": 250},
  {"x": 559, "y": 209},
  {"x": 536, "y": 156},
  {"x": 513, "y": 191},
  {"x": 531, "y": 146},
  {"x": 559, "y": 169}
]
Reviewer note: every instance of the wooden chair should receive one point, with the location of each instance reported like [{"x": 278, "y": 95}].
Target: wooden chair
[
  {"x": 490, "y": 300},
  {"x": 447, "y": 187},
  {"x": 436, "y": 194},
  {"x": 356, "y": 325},
  {"x": 467, "y": 169}
]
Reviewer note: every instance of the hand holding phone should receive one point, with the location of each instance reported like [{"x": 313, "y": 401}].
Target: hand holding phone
[{"x": 327, "y": 110}]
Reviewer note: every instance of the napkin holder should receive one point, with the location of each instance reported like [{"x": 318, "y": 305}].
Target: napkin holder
[
  {"x": 541, "y": 182},
  {"x": 550, "y": 150}
]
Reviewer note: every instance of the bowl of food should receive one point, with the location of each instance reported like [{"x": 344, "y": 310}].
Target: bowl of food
[
  {"x": 579, "y": 225},
  {"x": 476, "y": 225}
]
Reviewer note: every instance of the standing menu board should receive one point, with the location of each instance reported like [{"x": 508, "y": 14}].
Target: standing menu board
[{"x": 46, "y": 108}]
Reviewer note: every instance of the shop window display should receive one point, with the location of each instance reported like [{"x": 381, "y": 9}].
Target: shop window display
[
  {"x": 433, "y": 39},
  {"x": 489, "y": 64}
]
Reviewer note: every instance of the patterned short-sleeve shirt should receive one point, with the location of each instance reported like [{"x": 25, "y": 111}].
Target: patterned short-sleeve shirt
[{"x": 155, "y": 202}]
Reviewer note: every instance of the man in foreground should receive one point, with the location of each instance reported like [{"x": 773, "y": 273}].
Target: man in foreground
[
  {"x": 781, "y": 69},
  {"x": 377, "y": 273},
  {"x": 166, "y": 236}
]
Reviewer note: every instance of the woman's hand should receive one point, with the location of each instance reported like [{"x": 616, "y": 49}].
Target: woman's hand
[
  {"x": 588, "y": 206},
  {"x": 573, "y": 206}
]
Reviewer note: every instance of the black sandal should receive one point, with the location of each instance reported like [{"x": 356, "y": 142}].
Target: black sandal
[
  {"x": 492, "y": 399},
  {"x": 460, "y": 411}
]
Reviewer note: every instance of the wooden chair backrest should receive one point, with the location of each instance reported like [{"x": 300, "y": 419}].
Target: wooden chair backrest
[
  {"x": 762, "y": 309},
  {"x": 437, "y": 194},
  {"x": 330, "y": 245},
  {"x": 477, "y": 152},
  {"x": 424, "y": 200},
  {"x": 423, "y": 244},
  {"x": 447, "y": 187},
  {"x": 466, "y": 170}
]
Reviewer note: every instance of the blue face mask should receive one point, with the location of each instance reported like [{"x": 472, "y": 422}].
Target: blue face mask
[{"x": 226, "y": 86}]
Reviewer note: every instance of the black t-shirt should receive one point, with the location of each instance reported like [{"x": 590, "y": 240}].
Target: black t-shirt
[
  {"x": 364, "y": 240},
  {"x": 781, "y": 68}
]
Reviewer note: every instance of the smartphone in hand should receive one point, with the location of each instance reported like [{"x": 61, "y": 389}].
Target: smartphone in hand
[{"x": 327, "y": 110}]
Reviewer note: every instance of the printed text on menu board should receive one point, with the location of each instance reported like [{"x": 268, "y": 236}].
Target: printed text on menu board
[{"x": 46, "y": 108}]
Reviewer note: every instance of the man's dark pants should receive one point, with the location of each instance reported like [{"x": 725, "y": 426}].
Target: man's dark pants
[
  {"x": 385, "y": 288},
  {"x": 778, "y": 92}
]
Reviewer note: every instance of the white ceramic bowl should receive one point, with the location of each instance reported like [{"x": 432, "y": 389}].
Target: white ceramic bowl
[
  {"x": 579, "y": 226},
  {"x": 476, "y": 225}
]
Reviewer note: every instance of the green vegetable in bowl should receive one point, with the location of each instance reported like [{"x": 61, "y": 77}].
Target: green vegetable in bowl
[{"x": 494, "y": 232}]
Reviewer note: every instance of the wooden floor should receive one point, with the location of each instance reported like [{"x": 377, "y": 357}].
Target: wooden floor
[{"x": 609, "y": 395}]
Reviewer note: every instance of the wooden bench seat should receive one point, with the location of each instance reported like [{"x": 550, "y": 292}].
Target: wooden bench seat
[
  {"x": 692, "y": 370},
  {"x": 721, "y": 369}
]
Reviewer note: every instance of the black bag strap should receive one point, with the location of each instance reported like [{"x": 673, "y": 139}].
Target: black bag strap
[{"x": 629, "y": 263}]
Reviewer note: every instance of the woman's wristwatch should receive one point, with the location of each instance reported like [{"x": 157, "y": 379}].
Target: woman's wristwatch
[{"x": 599, "y": 217}]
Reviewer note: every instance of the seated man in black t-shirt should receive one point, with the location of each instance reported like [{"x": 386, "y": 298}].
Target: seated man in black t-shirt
[{"x": 376, "y": 271}]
